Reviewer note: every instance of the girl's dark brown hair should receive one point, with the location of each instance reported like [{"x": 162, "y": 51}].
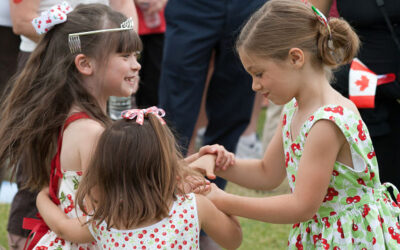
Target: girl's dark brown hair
[
  {"x": 284, "y": 24},
  {"x": 42, "y": 95},
  {"x": 133, "y": 175}
]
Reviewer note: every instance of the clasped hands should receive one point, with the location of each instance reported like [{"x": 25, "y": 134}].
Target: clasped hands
[{"x": 209, "y": 159}]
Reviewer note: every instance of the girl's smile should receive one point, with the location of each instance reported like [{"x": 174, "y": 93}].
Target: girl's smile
[{"x": 121, "y": 76}]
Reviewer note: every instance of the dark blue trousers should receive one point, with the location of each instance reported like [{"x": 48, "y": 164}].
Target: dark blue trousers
[{"x": 194, "y": 29}]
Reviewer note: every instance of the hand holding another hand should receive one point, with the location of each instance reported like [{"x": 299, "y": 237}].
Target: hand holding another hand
[{"x": 224, "y": 158}]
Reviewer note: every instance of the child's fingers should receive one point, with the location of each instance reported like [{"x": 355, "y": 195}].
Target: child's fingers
[
  {"x": 199, "y": 185},
  {"x": 192, "y": 183},
  {"x": 233, "y": 161},
  {"x": 207, "y": 150},
  {"x": 224, "y": 161},
  {"x": 227, "y": 163},
  {"x": 207, "y": 171},
  {"x": 221, "y": 152},
  {"x": 202, "y": 189}
]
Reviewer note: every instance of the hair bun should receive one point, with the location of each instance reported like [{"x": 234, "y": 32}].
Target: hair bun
[{"x": 344, "y": 44}]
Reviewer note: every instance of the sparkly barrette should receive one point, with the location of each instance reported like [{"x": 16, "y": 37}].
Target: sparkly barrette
[
  {"x": 321, "y": 17},
  {"x": 75, "y": 42},
  {"x": 139, "y": 114},
  {"x": 51, "y": 17}
]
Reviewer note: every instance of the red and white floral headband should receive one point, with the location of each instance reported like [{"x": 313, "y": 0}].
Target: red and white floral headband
[{"x": 51, "y": 17}]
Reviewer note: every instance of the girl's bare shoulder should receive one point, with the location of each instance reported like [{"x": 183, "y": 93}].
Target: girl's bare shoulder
[{"x": 82, "y": 132}]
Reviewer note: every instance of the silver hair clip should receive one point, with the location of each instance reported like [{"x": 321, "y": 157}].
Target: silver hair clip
[{"x": 75, "y": 43}]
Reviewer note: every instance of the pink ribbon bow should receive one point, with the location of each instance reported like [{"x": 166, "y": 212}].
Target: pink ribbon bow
[
  {"x": 55, "y": 15},
  {"x": 139, "y": 114}
]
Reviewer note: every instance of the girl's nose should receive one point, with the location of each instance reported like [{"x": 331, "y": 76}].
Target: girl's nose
[
  {"x": 136, "y": 65},
  {"x": 255, "y": 86}
]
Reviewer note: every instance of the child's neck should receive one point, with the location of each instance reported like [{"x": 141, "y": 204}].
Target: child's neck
[
  {"x": 315, "y": 92},
  {"x": 95, "y": 89}
]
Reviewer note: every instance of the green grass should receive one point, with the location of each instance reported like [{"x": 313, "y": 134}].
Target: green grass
[{"x": 4, "y": 209}]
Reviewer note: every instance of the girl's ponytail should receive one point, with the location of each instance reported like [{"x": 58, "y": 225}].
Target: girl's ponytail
[{"x": 340, "y": 46}]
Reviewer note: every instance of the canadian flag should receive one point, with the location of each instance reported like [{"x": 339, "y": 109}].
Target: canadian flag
[{"x": 363, "y": 83}]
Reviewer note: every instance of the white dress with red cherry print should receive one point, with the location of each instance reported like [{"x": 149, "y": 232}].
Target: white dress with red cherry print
[
  {"x": 178, "y": 231},
  {"x": 66, "y": 194},
  {"x": 357, "y": 211}
]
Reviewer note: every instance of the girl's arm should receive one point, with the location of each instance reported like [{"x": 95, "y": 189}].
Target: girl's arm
[
  {"x": 264, "y": 174},
  {"x": 22, "y": 13},
  {"x": 222, "y": 228},
  {"x": 67, "y": 228},
  {"x": 316, "y": 165}
]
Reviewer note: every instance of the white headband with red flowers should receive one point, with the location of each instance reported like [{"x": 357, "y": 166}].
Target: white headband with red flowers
[{"x": 53, "y": 16}]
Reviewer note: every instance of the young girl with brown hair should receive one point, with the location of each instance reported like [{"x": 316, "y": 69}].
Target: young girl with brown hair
[
  {"x": 57, "y": 105},
  {"x": 322, "y": 145},
  {"x": 132, "y": 195}
]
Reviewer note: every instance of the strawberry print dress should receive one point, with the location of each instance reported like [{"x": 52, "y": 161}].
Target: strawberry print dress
[
  {"x": 357, "y": 211},
  {"x": 178, "y": 231},
  {"x": 65, "y": 197},
  {"x": 68, "y": 188}
]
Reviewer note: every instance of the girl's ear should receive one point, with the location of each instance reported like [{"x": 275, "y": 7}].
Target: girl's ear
[
  {"x": 84, "y": 64},
  {"x": 296, "y": 57}
]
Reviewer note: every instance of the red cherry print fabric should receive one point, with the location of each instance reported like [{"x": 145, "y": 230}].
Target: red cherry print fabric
[
  {"x": 178, "y": 231},
  {"x": 68, "y": 187},
  {"x": 357, "y": 211}
]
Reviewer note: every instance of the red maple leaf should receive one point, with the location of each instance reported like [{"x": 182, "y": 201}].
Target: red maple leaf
[{"x": 363, "y": 83}]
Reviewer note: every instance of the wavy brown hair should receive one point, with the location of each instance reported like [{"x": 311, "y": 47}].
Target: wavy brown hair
[
  {"x": 133, "y": 175},
  {"x": 42, "y": 95},
  {"x": 281, "y": 25}
]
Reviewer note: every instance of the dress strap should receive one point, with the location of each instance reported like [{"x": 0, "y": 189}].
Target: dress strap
[
  {"x": 55, "y": 173},
  {"x": 74, "y": 117}
]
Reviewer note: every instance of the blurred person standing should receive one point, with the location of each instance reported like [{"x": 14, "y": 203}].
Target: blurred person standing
[
  {"x": 151, "y": 31},
  {"x": 194, "y": 30}
]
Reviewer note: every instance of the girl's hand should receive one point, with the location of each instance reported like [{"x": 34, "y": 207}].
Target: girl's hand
[
  {"x": 205, "y": 165},
  {"x": 194, "y": 184},
  {"x": 224, "y": 159}
]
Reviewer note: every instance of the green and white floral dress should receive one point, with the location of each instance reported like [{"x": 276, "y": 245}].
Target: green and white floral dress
[{"x": 357, "y": 211}]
